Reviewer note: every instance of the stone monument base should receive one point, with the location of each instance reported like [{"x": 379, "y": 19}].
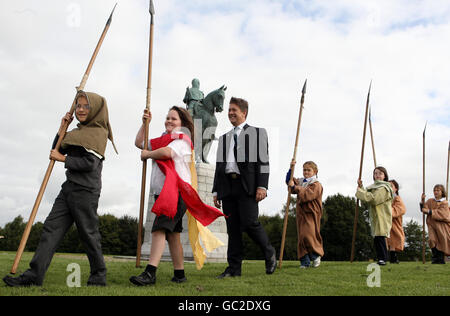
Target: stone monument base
[{"x": 205, "y": 177}]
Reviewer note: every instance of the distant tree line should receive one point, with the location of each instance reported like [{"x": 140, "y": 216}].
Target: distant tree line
[
  {"x": 337, "y": 231},
  {"x": 119, "y": 235}
]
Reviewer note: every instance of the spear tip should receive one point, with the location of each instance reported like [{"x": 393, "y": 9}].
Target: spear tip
[
  {"x": 152, "y": 8},
  {"x": 424, "y": 131},
  {"x": 304, "y": 86},
  {"x": 111, "y": 15}
]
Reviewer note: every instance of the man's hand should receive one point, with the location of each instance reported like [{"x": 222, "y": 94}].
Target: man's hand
[
  {"x": 260, "y": 194},
  {"x": 217, "y": 203}
]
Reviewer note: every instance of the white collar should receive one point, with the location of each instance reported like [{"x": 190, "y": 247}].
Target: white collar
[
  {"x": 441, "y": 200},
  {"x": 240, "y": 126}
]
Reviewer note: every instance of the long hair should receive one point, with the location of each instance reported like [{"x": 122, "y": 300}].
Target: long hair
[
  {"x": 186, "y": 120},
  {"x": 383, "y": 169},
  {"x": 396, "y": 185}
]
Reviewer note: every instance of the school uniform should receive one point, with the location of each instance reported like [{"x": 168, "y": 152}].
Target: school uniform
[{"x": 78, "y": 199}]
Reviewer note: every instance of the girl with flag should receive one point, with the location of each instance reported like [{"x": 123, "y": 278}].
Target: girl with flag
[{"x": 173, "y": 182}]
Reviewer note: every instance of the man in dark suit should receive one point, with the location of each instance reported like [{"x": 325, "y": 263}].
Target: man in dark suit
[{"x": 240, "y": 183}]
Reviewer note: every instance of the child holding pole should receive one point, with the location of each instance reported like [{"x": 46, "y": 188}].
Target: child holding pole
[
  {"x": 438, "y": 222},
  {"x": 379, "y": 195},
  {"x": 396, "y": 241},
  {"x": 308, "y": 213},
  {"x": 170, "y": 183},
  {"x": 82, "y": 152}
]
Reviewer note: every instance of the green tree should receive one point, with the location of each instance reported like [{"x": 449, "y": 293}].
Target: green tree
[
  {"x": 13, "y": 234},
  {"x": 337, "y": 229},
  {"x": 413, "y": 242}
]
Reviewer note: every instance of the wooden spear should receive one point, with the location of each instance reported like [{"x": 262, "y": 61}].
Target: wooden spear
[
  {"x": 448, "y": 169},
  {"x": 355, "y": 223},
  {"x": 288, "y": 203},
  {"x": 27, "y": 231},
  {"x": 423, "y": 191},
  {"x": 371, "y": 137},
  {"x": 144, "y": 162}
]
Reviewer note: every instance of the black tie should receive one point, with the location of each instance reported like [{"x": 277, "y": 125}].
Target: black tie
[{"x": 235, "y": 143}]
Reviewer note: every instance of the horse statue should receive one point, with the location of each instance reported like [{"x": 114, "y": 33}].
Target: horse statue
[{"x": 205, "y": 111}]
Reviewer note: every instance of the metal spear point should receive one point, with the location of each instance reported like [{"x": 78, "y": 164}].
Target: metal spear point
[
  {"x": 152, "y": 8},
  {"x": 110, "y": 17}
]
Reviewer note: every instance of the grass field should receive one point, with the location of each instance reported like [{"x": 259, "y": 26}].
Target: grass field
[{"x": 331, "y": 279}]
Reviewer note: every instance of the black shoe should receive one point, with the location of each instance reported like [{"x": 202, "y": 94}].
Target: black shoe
[
  {"x": 144, "y": 279},
  {"x": 178, "y": 280},
  {"x": 228, "y": 273},
  {"x": 97, "y": 279},
  {"x": 271, "y": 264},
  {"x": 20, "y": 281}
]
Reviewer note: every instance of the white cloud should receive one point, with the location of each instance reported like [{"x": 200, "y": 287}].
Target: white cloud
[{"x": 263, "y": 51}]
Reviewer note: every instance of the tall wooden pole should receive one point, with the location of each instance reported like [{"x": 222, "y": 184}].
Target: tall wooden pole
[
  {"x": 288, "y": 203},
  {"x": 29, "y": 225},
  {"x": 448, "y": 170},
  {"x": 423, "y": 191},
  {"x": 371, "y": 137},
  {"x": 144, "y": 162},
  {"x": 355, "y": 222}
]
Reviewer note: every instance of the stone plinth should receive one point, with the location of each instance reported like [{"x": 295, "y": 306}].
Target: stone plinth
[{"x": 205, "y": 177}]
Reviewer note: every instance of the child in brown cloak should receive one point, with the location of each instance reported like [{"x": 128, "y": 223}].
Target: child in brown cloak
[
  {"x": 396, "y": 241},
  {"x": 82, "y": 152},
  {"x": 438, "y": 222},
  {"x": 309, "y": 213}
]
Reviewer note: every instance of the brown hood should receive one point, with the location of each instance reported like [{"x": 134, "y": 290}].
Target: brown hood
[{"x": 94, "y": 133}]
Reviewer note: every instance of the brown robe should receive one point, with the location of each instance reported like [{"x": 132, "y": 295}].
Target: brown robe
[
  {"x": 439, "y": 225},
  {"x": 396, "y": 242},
  {"x": 309, "y": 213}
]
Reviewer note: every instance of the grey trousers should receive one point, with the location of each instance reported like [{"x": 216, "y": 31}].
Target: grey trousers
[{"x": 74, "y": 204}]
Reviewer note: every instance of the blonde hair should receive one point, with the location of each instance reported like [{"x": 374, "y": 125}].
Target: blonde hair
[{"x": 313, "y": 165}]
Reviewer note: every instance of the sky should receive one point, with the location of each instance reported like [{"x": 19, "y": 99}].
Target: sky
[{"x": 263, "y": 51}]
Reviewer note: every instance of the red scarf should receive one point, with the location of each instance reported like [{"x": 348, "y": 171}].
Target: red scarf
[{"x": 167, "y": 202}]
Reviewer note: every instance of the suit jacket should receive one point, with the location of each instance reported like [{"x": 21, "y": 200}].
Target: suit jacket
[{"x": 252, "y": 160}]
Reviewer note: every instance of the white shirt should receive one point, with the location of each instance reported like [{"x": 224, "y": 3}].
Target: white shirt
[
  {"x": 182, "y": 160},
  {"x": 232, "y": 166}
]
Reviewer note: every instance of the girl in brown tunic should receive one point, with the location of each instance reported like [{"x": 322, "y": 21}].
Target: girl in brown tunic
[
  {"x": 438, "y": 222},
  {"x": 396, "y": 242},
  {"x": 309, "y": 212}
]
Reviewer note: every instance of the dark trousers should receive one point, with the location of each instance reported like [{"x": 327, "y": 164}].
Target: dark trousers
[
  {"x": 74, "y": 204},
  {"x": 381, "y": 248},
  {"x": 242, "y": 211}
]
